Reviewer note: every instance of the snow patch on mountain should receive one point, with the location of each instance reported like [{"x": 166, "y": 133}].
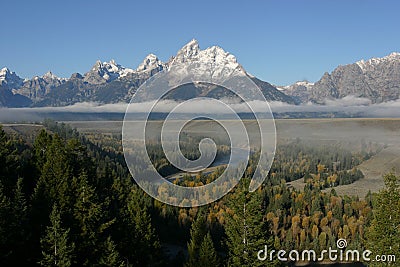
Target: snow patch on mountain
[
  {"x": 188, "y": 52},
  {"x": 150, "y": 62},
  {"x": 10, "y": 79},
  {"x": 103, "y": 72},
  {"x": 191, "y": 52},
  {"x": 369, "y": 64},
  {"x": 214, "y": 60}
]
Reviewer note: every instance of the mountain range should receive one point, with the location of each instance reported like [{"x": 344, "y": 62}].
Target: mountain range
[{"x": 377, "y": 79}]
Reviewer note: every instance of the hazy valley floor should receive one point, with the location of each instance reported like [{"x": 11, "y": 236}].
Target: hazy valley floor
[{"x": 346, "y": 132}]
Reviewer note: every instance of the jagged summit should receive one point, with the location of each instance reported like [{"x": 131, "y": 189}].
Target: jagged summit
[
  {"x": 103, "y": 72},
  {"x": 150, "y": 62},
  {"x": 109, "y": 82},
  {"x": 393, "y": 55},
  {"x": 187, "y": 52},
  {"x": 50, "y": 76},
  {"x": 370, "y": 63},
  {"x": 214, "y": 57},
  {"x": 377, "y": 79},
  {"x": 10, "y": 79},
  {"x": 4, "y": 70}
]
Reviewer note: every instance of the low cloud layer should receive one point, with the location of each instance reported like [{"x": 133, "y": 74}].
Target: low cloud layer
[{"x": 349, "y": 105}]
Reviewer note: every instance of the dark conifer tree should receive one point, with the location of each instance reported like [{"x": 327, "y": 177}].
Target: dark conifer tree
[
  {"x": 384, "y": 233},
  {"x": 207, "y": 252},
  {"x": 5, "y": 233},
  {"x": 246, "y": 229},
  {"x": 197, "y": 233},
  {"x": 110, "y": 256},
  {"x": 57, "y": 250}
]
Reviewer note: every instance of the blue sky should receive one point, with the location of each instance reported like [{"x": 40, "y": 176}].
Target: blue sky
[{"x": 278, "y": 41}]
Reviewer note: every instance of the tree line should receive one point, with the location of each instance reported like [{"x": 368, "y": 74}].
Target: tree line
[{"x": 68, "y": 201}]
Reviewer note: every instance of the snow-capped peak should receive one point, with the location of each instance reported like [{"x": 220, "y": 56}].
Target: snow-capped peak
[
  {"x": 112, "y": 66},
  {"x": 393, "y": 55},
  {"x": 297, "y": 86},
  {"x": 190, "y": 49},
  {"x": 10, "y": 79},
  {"x": 150, "y": 62},
  {"x": 213, "y": 56},
  {"x": 213, "y": 60},
  {"x": 187, "y": 52},
  {"x": 109, "y": 71},
  {"x": 109, "y": 66},
  {"x": 3, "y": 71},
  {"x": 365, "y": 65},
  {"x": 304, "y": 83},
  {"x": 219, "y": 56},
  {"x": 362, "y": 64},
  {"x": 98, "y": 65},
  {"x": 50, "y": 75}
]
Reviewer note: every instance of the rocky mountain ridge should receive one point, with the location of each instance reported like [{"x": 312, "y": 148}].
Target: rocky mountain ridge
[
  {"x": 377, "y": 79},
  {"x": 109, "y": 82}
]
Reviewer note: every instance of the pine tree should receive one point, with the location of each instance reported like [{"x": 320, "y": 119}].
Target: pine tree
[
  {"x": 18, "y": 222},
  {"x": 148, "y": 245},
  {"x": 207, "y": 253},
  {"x": 110, "y": 256},
  {"x": 9, "y": 159},
  {"x": 246, "y": 228},
  {"x": 197, "y": 234},
  {"x": 384, "y": 234},
  {"x": 19, "y": 206},
  {"x": 138, "y": 243},
  {"x": 53, "y": 185},
  {"x": 5, "y": 214},
  {"x": 90, "y": 222},
  {"x": 56, "y": 248},
  {"x": 4, "y": 152},
  {"x": 41, "y": 145},
  {"x": 54, "y": 182}
]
